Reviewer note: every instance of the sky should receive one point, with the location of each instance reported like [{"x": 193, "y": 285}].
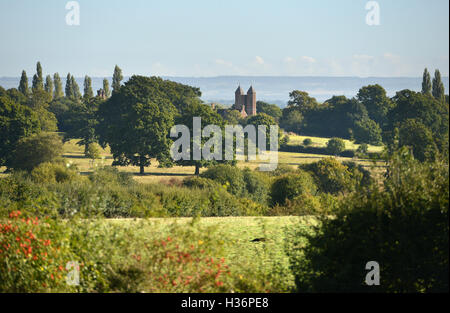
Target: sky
[{"x": 205, "y": 38}]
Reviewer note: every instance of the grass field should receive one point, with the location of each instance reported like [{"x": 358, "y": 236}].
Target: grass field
[
  {"x": 322, "y": 142},
  {"x": 266, "y": 257},
  {"x": 74, "y": 153}
]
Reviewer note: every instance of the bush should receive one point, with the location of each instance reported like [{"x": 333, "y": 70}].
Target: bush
[
  {"x": 93, "y": 151},
  {"x": 228, "y": 176},
  {"x": 331, "y": 176},
  {"x": 289, "y": 186},
  {"x": 33, "y": 255},
  {"x": 37, "y": 149},
  {"x": 307, "y": 142},
  {"x": 110, "y": 175},
  {"x": 335, "y": 146},
  {"x": 256, "y": 185},
  {"x": 201, "y": 183},
  {"x": 403, "y": 226},
  {"x": 52, "y": 173}
]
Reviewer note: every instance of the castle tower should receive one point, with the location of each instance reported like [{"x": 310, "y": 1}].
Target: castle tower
[
  {"x": 239, "y": 98},
  {"x": 250, "y": 105}
]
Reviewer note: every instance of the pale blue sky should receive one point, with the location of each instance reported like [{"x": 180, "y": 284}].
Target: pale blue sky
[{"x": 232, "y": 37}]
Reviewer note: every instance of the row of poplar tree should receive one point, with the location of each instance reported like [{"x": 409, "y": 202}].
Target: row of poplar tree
[{"x": 54, "y": 87}]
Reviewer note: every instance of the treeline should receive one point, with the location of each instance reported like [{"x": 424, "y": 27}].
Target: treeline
[{"x": 415, "y": 119}]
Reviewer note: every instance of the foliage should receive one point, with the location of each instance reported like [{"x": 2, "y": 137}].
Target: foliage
[
  {"x": 335, "y": 146},
  {"x": 34, "y": 150},
  {"x": 135, "y": 122},
  {"x": 290, "y": 186},
  {"x": 307, "y": 142},
  {"x": 228, "y": 176},
  {"x": 270, "y": 109},
  {"x": 33, "y": 255},
  {"x": 403, "y": 226},
  {"x": 16, "y": 121},
  {"x": 333, "y": 177}
]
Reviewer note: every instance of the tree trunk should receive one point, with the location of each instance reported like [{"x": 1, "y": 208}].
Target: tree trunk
[
  {"x": 141, "y": 169},
  {"x": 197, "y": 170}
]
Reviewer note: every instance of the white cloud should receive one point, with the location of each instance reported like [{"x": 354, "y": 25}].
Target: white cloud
[
  {"x": 308, "y": 59},
  {"x": 223, "y": 62},
  {"x": 259, "y": 60}
]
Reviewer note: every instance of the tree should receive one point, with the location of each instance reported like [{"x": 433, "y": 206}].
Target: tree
[
  {"x": 377, "y": 103},
  {"x": 58, "y": 87},
  {"x": 367, "y": 131},
  {"x": 208, "y": 117},
  {"x": 426, "y": 82},
  {"x": 232, "y": 117},
  {"x": 23, "y": 85},
  {"x": 75, "y": 88},
  {"x": 49, "y": 85},
  {"x": 88, "y": 93},
  {"x": 16, "y": 121},
  {"x": 81, "y": 121},
  {"x": 413, "y": 134},
  {"x": 266, "y": 120},
  {"x": 106, "y": 88},
  {"x": 269, "y": 109},
  {"x": 438, "y": 87},
  {"x": 69, "y": 89},
  {"x": 291, "y": 120},
  {"x": 403, "y": 225},
  {"x": 335, "y": 146},
  {"x": 38, "y": 80},
  {"x": 39, "y": 102},
  {"x": 34, "y": 150},
  {"x": 117, "y": 78},
  {"x": 302, "y": 101},
  {"x": 433, "y": 114},
  {"x": 135, "y": 122}
]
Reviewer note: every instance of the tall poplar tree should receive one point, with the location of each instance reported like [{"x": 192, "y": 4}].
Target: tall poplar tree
[
  {"x": 23, "y": 85},
  {"x": 38, "y": 81},
  {"x": 75, "y": 88},
  {"x": 117, "y": 78},
  {"x": 106, "y": 88},
  {"x": 426, "y": 82},
  {"x": 49, "y": 85},
  {"x": 88, "y": 93},
  {"x": 58, "y": 86},
  {"x": 438, "y": 86},
  {"x": 69, "y": 89}
]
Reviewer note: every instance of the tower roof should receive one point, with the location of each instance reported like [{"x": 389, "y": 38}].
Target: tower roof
[
  {"x": 251, "y": 90},
  {"x": 239, "y": 90}
]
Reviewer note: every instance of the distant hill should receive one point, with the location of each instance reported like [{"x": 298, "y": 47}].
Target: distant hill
[{"x": 273, "y": 89}]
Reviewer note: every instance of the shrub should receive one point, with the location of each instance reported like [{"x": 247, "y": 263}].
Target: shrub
[
  {"x": 93, "y": 151},
  {"x": 37, "y": 149},
  {"x": 307, "y": 142},
  {"x": 289, "y": 186},
  {"x": 33, "y": 255},
  {"x": 403, "y": 226},
  {"x": 201, "y": 183},
  {"x": 228, "y": 176},
  {"x": 331, "y": 176},
  {"x": 183, "y": 259},
  {"x": 110, "y": 175},
  {"x": 52, "y": 173},
  {"x": 335, "y": 146},
  {"x": 256, "y": 185}
]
